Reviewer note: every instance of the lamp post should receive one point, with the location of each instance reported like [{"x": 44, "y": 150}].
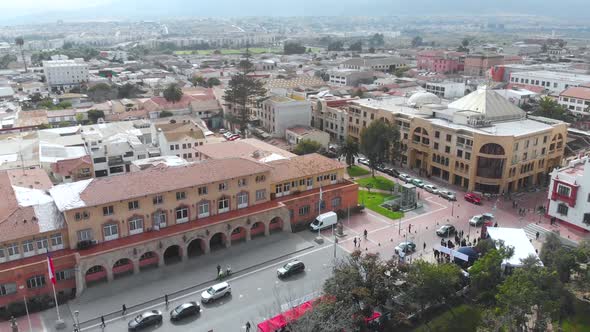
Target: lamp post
[{"x": 77, "y": 320}]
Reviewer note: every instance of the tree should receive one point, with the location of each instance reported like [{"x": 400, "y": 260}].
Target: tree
[
  {"x": 240, "y": 91},
  {"x": 555, "y": 256},
  {"x": 198, "y": 81},
  {"x": 432, "y": 283},
  {"x": 173, "y": 93},
  {"x": 400, "y": 71},
  {"x": 307, "y": 146},
  {"x": 417, "y": 41},
  {"x": 377, "y": 40},
  {"x": 486, "y": 275},
  {"x": 128, "y": 91},
  {"x": 356, "y": 46},
  {"x": 6, "y": 60},
  {"x": 465, "y": 42},
  {"x": 94, "y": 115},
  {"x": 79, "y": 117},
  {"x": 377, "y": 142},
  {"x": 336, "y": 46},
  {"x": 349, "y": 150},
  {"x": 101, "y": 92},
  {"x": 371, "y": 49},
  {"x": 293, "y": 48},
  {"x": 20, "y": 42},
  {"x": 246, "y": 65},
  {"x": 165, "y": 114},
  {"x": 549, "y": 108},
  {"x": 213, "y": 81}
]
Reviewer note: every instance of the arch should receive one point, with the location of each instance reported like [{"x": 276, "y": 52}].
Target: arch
[
  {"x": 96, "y": 274},
  {"x": 195, "y": 248},
  {"x": 148, "y": 260},
  {"x": 123, "y": 266},
  {"x": 217, "y": 241},
  {"x": 172, "y": 254},
  {"x": 276, "y": 224},
  {"x": 493, "y": 149},
  {"x": 239, "y": 234},
  {"x": 257, "y": 229}
]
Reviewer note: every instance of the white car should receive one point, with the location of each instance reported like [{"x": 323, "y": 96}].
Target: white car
[
  {"x": 480, "y": 219},
  {"x": 215, "y": 292},
  {"x": 417, "y": 182},
  {"x": 431, "y": 189},
  {"x": 405, "y": 177},
  {"x": 448, "y": 195},
  {"x": 363, "y": 161},
  {"x": 228, "y": 134}
]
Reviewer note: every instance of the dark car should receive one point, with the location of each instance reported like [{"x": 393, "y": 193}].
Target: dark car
[
  {"x": 148, "y": 318},
  {"x": 472, "y": 198},
  {"x": 380, "y": 168},
  {"x": 290, "y": 269},
  {"x": 446, "y": 230},
  {"x": 184, "y": 310},
  {"x": 392, "y": 172}
]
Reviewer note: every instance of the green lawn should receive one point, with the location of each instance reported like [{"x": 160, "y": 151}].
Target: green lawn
[
  {"x": 463, "y": 318},
  {"x": 355, "y": 171},
  {"x": 372, "y": 201},
  {"x": 377, "y": 182},
  {"x": 579, "y": 321}
]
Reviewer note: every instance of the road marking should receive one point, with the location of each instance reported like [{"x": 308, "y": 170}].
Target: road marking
[{"x": 203, "y": 289}]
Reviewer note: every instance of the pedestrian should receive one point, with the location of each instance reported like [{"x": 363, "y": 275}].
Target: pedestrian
[
  {"x": 102, "y": 324},
  {"x": 218, "y": 269},
  {"x": 366, "y": 233},
  {"x": 124, "y": 311},
  {"x": 442, "y": 242},
  {"x": 537, "y": 235},
  {"x": 475, "y": 241},
  {"x": 248, "y": 326},
  {"x": 424, "y": 247},
  {"x": 166, "y": 299},
  {"x": 354, "y": 241}
]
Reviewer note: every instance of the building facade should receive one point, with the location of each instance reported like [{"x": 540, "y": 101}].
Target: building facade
[
  {"x": 447, "y": 90},
  {"x": 479, "y": 64},
  {"x": 278, "y": 113},
  {"x": 576, "y": 99},
  {"x": 296, "y": 134},
  {"x": 348, "y": 77},
  {"x": 179, "y": 139},
  {"x": 65, "y": 74},
  {"x": 439, "y": 61},
  {"x": 555, "y": 82}
]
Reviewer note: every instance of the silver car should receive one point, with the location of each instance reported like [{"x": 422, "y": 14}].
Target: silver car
[
  {"x": 215, "y": 292},
  {"x": 431, "y": 189},
  {"x": 405, "y": 177},
  {"x": 448, "y": 195}
]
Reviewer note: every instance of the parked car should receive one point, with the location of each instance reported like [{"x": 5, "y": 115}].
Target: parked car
[
  {"x": 185, "y": 310},
  {"x": 290, "y": 269},
  {"x": 431, "y": 188},
  {"x": 363, "y": 161},
  {"x": 405, "y": 177},
  {"x": 405, "y": 247},
  {"x": 417, "y": 182},
  {"x": 446, "y": 230},
  {"x": 480, "y": 219},
  {"x": 228, "y": 134},
  {"x": 148, "y": 318},
  {"x": 448, "y": 195},
  {"x": 472, "y": 198},
  {"x": 392, "y": 172},
  {"x": 380, "y": 168},
  {"x": 222, "y": 131},
  {"x": 233, "y": 138},
  {"x": 324, "y": 220},
  {"x": 215, "y": 292}
]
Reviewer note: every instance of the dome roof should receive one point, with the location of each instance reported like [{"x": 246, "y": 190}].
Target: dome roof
[{"x": 422, "y": 98}]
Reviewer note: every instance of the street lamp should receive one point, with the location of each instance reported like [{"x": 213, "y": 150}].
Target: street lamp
[{"x": 77, "y": 320}]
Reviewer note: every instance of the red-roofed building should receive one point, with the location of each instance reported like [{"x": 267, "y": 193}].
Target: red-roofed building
[
  {"x": 576, "y": 99},
  {"x": 71, "y": 170}
]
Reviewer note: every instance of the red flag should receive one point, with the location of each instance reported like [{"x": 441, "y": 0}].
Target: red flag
[{"x": 50, "y": 269}]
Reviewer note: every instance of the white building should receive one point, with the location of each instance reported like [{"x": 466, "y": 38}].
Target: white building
[
  {"x": 517, "y": 96},
  {"x": 65, "y": 74},
  {"x": 385, "y": 64},
  {"x": 296, "y": 134},
  {"x": 576, "y": 99},
  {"x": 348, "y": 77},
  {"x": 569, "y": 194},
  {"x": 552, "y": 81},
  {"x": 179, "y": 139},
  {"x": 279, "y": 113},
  {"x": 447, "y": 90}
]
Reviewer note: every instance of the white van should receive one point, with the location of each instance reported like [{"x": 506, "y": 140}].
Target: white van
[{"x": 324, "y": 220}]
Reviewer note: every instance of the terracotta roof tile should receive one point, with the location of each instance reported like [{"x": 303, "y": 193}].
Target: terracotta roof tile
[
  {"x": 576, "y": 92},
  {"x": 302, "y": 166},
  {"x": 65, "y": 167}
]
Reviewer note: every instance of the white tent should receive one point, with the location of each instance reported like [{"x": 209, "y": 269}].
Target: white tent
[{"x": 517, "y": 239}]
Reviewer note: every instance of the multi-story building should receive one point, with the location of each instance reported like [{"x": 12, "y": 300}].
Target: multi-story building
[
  {"x": 479, "y": 64},
  {"x": 576, "y": 99},
  {"x": 331, "y": 117},
  {"x": 569, "y": 194},
  {"x": 447, "y": 90},
  {"x": 555, "y": 82},
  {"x": 481, "y": 142},
  {"x": 349, "y": 77},
  {"x": 65, "y": 74},
  {"x": 179, "y": 138},
  {"x": 384, "y": 64},
  {"x": 278, "y": 113},
  {"x": 440, "y": 61},
  {"x": 72, "y": 170}
]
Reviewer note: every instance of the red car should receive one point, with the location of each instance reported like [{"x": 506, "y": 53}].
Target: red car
[{"x": 473, "y": 198}]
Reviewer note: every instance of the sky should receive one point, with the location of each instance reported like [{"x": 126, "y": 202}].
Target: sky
[{"x": 14, "y": 11}]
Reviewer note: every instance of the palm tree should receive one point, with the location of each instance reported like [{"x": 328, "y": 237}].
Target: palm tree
[
  {"x": 173, "y": 93},
  {"x": 349, "y": 150},
  {"x": 20, "y": 42}
]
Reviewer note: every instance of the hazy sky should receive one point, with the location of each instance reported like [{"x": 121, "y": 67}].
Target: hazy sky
[{"x": 15, "y": 10}]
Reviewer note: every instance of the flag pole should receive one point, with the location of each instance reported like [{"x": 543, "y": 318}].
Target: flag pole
[
  {"x": 56, "y": 304},
  {"x": 28, "y": 316},
  {"x": 51, "y": 271}
]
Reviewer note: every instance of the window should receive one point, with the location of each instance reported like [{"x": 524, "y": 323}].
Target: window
[
  {"x": 133, "y": 205},
  {"x": 12, "y": 249},
  {"x": 435, "y": 146},
  {"x": 100, "y": 160},
  {"x": 287, "y": 187},
  {"x": 111, "y": 232},
  {"x": 160, "y": 219},
  {"x": 64, "y": 275},
  {"x": 56, "y": 241},
  {"x": 304, "y": 210},
  {"x": 260, "y": 194},
  {"x": 563, "y": 191},
  {"x": 223, "y": 205},
  {"x": 36, "y": 282},
  {"x": 202, "y": 191},
  {"x": 241, "y": 182},
  {"x": 135, "y": 226},
  {"x": 181, "y": 215},
  {"x": 260, "y": 178},
  {"x": 7, "y": 289},
  {"x": 158, "y": 199},
  {"x": 180, "y": 195},
  {"x": 447, "y": 149},
  {"x": 525, "y": 156},
  {"x": 242, "y": 200},
  {"x": 203, "y": 209},
  {"x": 562, "y": 209},
  {"x": 460, "y": 153},
  {"x": 171, "y": 147},
  {"x": 545, "y": 139},
  {"x": 449, "y": 137},
  {"x": 468, "y": 155},
  {"x": 42, "y": 244},
  {"x": 302, "y": 182},
  {"x": 516, "y": 146},
  {"x": 309, "y": 182},
  {"x": 336, "y": 201},
  {"x": 107, "y": 210},
  {"x": 437, "y": 134},
  {"x": 85, "y": 235},
  {"x": 333, "y": 177},
  {"x": 223, "y": 186},
  {"x": 28, "y": 248}
]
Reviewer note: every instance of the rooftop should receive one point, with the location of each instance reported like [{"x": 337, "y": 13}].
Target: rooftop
[
  {"x": 576, "y": 92},
  {"x": 302, "y": 166},
  {"x": 581, "y": 78},
  {"x": 303, "y": 130},
  {"x": 249, "y": 148}
]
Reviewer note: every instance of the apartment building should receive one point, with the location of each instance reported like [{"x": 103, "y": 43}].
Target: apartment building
[
  {"x": 179, "y": 138},
  {"x": 65, "y": 74},
  {"x": 576, "y": 99},
  {"x": 384, "y": 64},
  {"x": 555, "y": 82},
  {"x": 569, "y": 194},
  {"x": 481, "y": 142},
  {"x": 447, "y": 90},
  {"x": 479, "y": 64},
  {"x": 440, "y": 61},
  {"x": 330, "y": 116},
  {"x": 277, "y": 113},
  {"x": 349, "y": 77}
]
